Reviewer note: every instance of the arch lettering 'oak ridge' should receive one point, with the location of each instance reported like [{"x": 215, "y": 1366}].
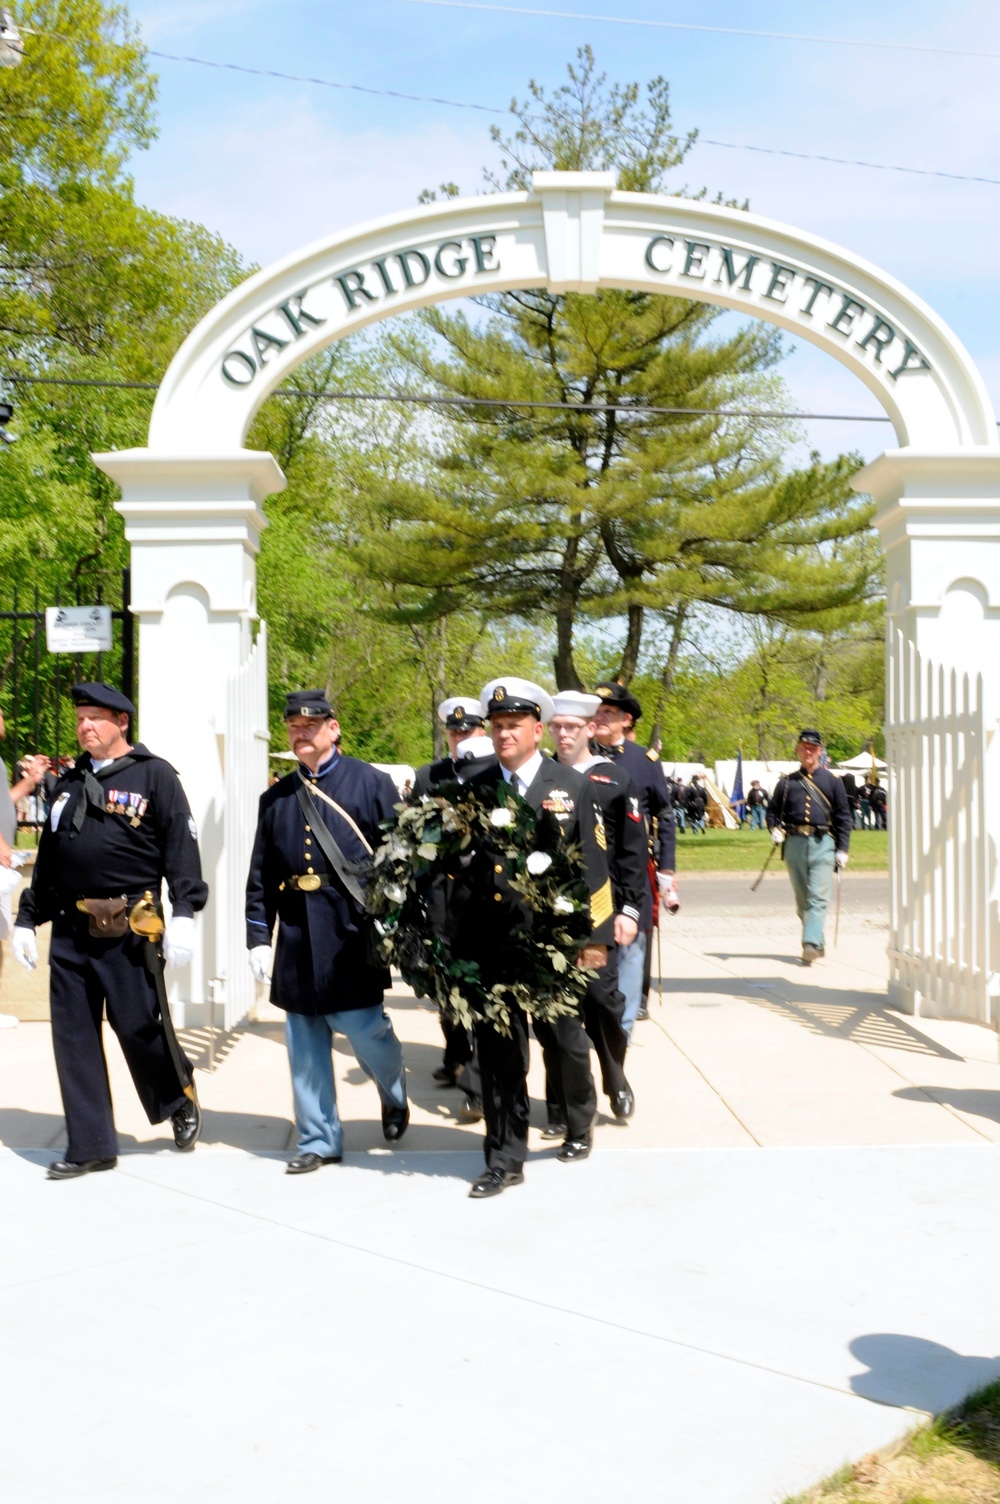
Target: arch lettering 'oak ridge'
[{"x": 573, "y": 231}]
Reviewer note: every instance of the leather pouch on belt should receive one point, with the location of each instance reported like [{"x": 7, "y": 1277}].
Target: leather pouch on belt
[{"x": 107, "y": 918}]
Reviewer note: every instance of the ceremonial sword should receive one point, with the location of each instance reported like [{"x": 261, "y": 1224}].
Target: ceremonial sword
[
  {"x": 146, "y": 921},
  {"x": 760, "y": 874}
]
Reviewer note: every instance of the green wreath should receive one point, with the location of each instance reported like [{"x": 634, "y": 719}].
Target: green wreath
[{"x": 430, "y": 845}]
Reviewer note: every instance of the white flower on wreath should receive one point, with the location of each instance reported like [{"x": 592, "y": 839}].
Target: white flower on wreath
[
  {"x": 501, "y": 818},
  {"x": 562, "y": 905},
  {"x": 538, "y": 862},
  {"x": 394, "y": 893}
]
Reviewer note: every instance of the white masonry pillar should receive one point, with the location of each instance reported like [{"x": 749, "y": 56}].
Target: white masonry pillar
[
  {"x": 194, "y": 526},
  {"x": 939, "y": 519}
]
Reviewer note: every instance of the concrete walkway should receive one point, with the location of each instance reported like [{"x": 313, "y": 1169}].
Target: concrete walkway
[{"x": 787, "y": 1251}]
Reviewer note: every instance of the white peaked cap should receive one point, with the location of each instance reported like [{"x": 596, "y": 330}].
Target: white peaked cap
[
  {"x": 511, "y": 694},
  {"x": 474, "y": 747},
  {"x": 468, "y": 704},
  {"x": 576, "y": 702}
]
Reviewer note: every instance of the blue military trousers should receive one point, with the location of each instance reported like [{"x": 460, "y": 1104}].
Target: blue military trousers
[
  {"x": 631, "y": 962},
  {"x": 810, "y": 863},
  {"x": 371, "y": 1036}
]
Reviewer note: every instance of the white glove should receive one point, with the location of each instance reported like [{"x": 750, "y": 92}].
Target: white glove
[
  {"x": 178, "y": 942},
  {"x": 841, "y": 860},
  {"x": 670, "y": 898},
  {"x": 22, "y": 943},
  {"x": 260, "y": 964},
  {"x": 777, "y": 835}
]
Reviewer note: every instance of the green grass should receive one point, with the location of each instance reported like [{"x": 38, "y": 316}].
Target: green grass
[
  {"x": 746, "y": 851},
  {"x": 953, "y": 1460}
]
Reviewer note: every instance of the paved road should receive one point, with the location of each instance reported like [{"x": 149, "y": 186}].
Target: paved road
[{"x": 729, "y": 893}]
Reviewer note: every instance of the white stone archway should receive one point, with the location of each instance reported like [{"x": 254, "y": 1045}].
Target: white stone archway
[{"x": 192, "y": 499}]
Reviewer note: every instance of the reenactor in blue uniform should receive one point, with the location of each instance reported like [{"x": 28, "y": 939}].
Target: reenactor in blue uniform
[
  {"x": 315, "y": 828},
  {"x": 810, "y": 818},
  {"x": 616, "y": 717},
  {"x": 572, "y": 729},
  {"x": 482, "y": 912},
  {"x": 462, "y": 719},
  {"x": 118, "y": 827}
]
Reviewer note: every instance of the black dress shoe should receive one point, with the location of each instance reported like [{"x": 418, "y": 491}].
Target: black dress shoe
[
  {"x": 576, "y": 1148},
  {"x": 186, "y": 1123},
  {"x": 303, "y": 1163},
  {"x": 447, "y": 1075},
  {"x": 395, "y": 1121},
  {"x": 554, "y": 1130},
  {"x": 623, "y": 1102},
  {"x": 492, "y": 1182},
  {"x": 65, "y": 1169}
]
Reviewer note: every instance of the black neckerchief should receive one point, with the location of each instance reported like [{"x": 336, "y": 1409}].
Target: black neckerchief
[
  {"x": 611, "y": 751},
  {"x": 92, "y": 794}
]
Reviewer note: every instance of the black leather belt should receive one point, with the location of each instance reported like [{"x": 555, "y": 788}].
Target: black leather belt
[
  {"x": 808, "y": 830},
  {"x": 307, "y": 882}
]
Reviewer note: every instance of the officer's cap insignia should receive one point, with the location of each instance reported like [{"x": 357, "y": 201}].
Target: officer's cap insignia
[
  {"x": 499, "y": 693},
  {"x": 459, "y": 712},
  {"x": 605, "y": 691}
]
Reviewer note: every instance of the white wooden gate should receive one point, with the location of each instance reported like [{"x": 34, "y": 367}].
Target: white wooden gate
[
  {"x": 246, "y": 779},
  {"x": 939, "y": 862}
]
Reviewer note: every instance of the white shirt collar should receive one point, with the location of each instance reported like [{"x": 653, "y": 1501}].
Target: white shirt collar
[
  {"x": 105, "y": 762},
  {"x": 527, "y": 772}
]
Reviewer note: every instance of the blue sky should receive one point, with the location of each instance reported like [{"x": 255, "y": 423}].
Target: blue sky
[{"x": 271, "y": 164}]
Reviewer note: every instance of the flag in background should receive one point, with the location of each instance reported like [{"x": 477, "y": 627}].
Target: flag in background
[{"x": 738, "y": 801}]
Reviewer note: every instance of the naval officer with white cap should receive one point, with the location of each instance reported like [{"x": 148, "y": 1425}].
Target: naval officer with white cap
[
  {"x": 484, "y": 910},
  {"x": 463, "y": 720}
]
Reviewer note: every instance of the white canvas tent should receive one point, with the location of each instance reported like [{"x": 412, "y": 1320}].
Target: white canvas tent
[{"x": 861, "y": 764}]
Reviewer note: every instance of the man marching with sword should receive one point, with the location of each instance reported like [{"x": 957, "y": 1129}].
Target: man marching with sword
[
  {"x": 810, "y": 818},
  {"x": 119, "y": 825}
]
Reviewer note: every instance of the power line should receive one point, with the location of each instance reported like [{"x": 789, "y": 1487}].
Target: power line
[
  {"x": 489, "y": 109},
  {"x": 327, "y": 83},
  {"x": 812, "y": 156},
  {"x": 489, "y": 402},
  {"x": 730, "y": 31}
]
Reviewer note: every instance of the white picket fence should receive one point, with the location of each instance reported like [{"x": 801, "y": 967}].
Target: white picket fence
[
  {"x": 246, "y": 779},
  {"x": 939, "y": 865}
]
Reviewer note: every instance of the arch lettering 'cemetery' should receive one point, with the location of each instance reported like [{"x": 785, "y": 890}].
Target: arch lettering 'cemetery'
[{"x": 802, "y": 293}]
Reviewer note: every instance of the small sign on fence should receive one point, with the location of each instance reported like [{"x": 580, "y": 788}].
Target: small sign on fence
[{"x": 78, "y": 629}]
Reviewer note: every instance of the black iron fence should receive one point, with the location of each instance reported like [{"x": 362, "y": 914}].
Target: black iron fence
[{"x": 34, "y": 682}]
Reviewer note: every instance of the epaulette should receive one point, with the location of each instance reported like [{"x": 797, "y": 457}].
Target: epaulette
[{"x": 652, "y": 754}]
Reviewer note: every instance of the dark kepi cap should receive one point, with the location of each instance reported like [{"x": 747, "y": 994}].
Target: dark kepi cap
[
  {"x": 613, "y": 693},
  {"x": 812, "y": 737},
  {"x": 103, "y": 695},
  {"x": 310, "y": 702}
]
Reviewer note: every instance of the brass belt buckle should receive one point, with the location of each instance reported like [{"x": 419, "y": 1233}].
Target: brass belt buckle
[{"x": 309, "y": 883}]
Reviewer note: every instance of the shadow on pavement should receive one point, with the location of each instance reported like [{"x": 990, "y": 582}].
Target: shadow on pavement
[
  {"x": 912, "y": 1371},
  {"x": 983, "y": 1104},
  {"x": 831, "y": 1012}
]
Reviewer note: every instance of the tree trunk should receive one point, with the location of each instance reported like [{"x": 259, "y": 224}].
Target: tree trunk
[
  {"x": 633, "y": 642},
  {"x": 669, "y": 673},
  {"x": 439, "y": 688},
  {"x": 563, "y": 664}
]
